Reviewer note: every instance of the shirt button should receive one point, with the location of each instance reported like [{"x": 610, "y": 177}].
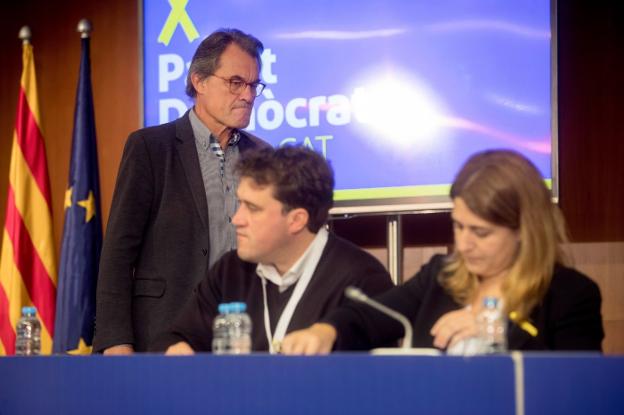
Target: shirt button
[{"x": 229, "y": 219}]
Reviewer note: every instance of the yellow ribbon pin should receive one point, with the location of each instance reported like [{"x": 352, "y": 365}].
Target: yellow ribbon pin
[{"x": 524, "y": 325}]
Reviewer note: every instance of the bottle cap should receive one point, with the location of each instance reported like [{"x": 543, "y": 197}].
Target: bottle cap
[
  {"x": 239, "y": 307},
  {"x": 490, "y": 302},
  {"x": 29, "y": 310},
  {"x": 224, "y": 308}
]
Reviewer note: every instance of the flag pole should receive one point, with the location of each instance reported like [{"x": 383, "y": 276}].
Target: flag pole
[
  {"x": 82, "y": 229},
  {"x": 28, "y": 274}
]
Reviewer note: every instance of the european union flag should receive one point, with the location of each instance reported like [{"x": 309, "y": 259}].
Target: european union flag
[{"x": 82, "y": 232}]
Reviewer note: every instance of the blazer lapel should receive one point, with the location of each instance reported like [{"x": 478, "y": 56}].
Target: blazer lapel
[
  {"x": 249, "y": 141},
  {"x": 516, "y": 337},
  {"x": 185, "y": 144}
]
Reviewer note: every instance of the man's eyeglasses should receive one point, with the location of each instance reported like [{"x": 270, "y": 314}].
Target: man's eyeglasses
[{"x": 237, "y": 85}]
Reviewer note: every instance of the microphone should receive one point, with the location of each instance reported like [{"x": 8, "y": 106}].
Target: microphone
[{"x": 357, "y": 295}]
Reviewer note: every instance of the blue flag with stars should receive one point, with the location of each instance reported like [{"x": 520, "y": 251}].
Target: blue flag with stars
[{"x": 82, "y": 231}]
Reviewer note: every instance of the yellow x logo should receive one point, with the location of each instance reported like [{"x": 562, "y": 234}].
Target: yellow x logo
[{"x": 178, "y": 15}]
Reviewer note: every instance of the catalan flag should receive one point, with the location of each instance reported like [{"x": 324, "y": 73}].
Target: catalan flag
[
  {"x": 82, "y": 232},
  {"x": 27, "y": 260}
]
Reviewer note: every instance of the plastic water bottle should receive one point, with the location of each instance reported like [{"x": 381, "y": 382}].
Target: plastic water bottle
[
  {"x": 28, "y": 340},
  {"x": 240, "y": 329},
  {"x": 492, "y": 326},
  {"x": 220, "y": 330}
]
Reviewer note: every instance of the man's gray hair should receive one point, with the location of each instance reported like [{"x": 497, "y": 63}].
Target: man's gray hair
[{"x": 206, "y": 58}]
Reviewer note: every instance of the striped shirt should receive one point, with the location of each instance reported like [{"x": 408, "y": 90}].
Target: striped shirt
[{"x": 220, "y": 183}]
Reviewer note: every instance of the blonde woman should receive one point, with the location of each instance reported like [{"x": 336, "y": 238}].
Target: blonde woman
[{"x": 508, "y": 237}]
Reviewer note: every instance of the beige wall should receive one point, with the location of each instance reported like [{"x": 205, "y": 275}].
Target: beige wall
[{"x": 604, "y": 263}]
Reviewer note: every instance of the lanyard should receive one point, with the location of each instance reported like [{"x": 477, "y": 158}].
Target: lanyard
[{"x": 274, "y": 339}]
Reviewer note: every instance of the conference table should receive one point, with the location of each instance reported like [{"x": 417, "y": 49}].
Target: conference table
[{"x": 349, "y": 383}]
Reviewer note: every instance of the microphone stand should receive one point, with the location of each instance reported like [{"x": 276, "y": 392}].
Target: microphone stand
[{"x": 406, "y": 347}]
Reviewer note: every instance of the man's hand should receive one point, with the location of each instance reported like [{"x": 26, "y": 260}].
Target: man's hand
[
  {"x": 120, "y": 349},
  {"x": 317, "y": 339},
  {"x": 180, "y": 349}
]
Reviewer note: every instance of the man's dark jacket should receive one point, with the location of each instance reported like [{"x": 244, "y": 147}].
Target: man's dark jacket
[{"x": 156, "y": 247}]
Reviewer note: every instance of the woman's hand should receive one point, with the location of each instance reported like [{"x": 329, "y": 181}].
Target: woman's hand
[
  {"x": 453, "y": 327},
  {"x": 316, "y": 339}
]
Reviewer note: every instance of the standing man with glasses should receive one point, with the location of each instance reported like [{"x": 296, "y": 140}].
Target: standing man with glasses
[{"x": 175, "y": 196}]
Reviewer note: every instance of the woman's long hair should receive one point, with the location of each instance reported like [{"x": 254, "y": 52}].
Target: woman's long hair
[{"x": 506, "y": 189}]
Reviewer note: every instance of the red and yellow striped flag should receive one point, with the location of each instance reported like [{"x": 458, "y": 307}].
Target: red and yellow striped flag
[{"x": 27, "y": 262}]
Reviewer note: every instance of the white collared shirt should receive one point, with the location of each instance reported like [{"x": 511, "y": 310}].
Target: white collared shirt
[{"x": 304, "y": 262}]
